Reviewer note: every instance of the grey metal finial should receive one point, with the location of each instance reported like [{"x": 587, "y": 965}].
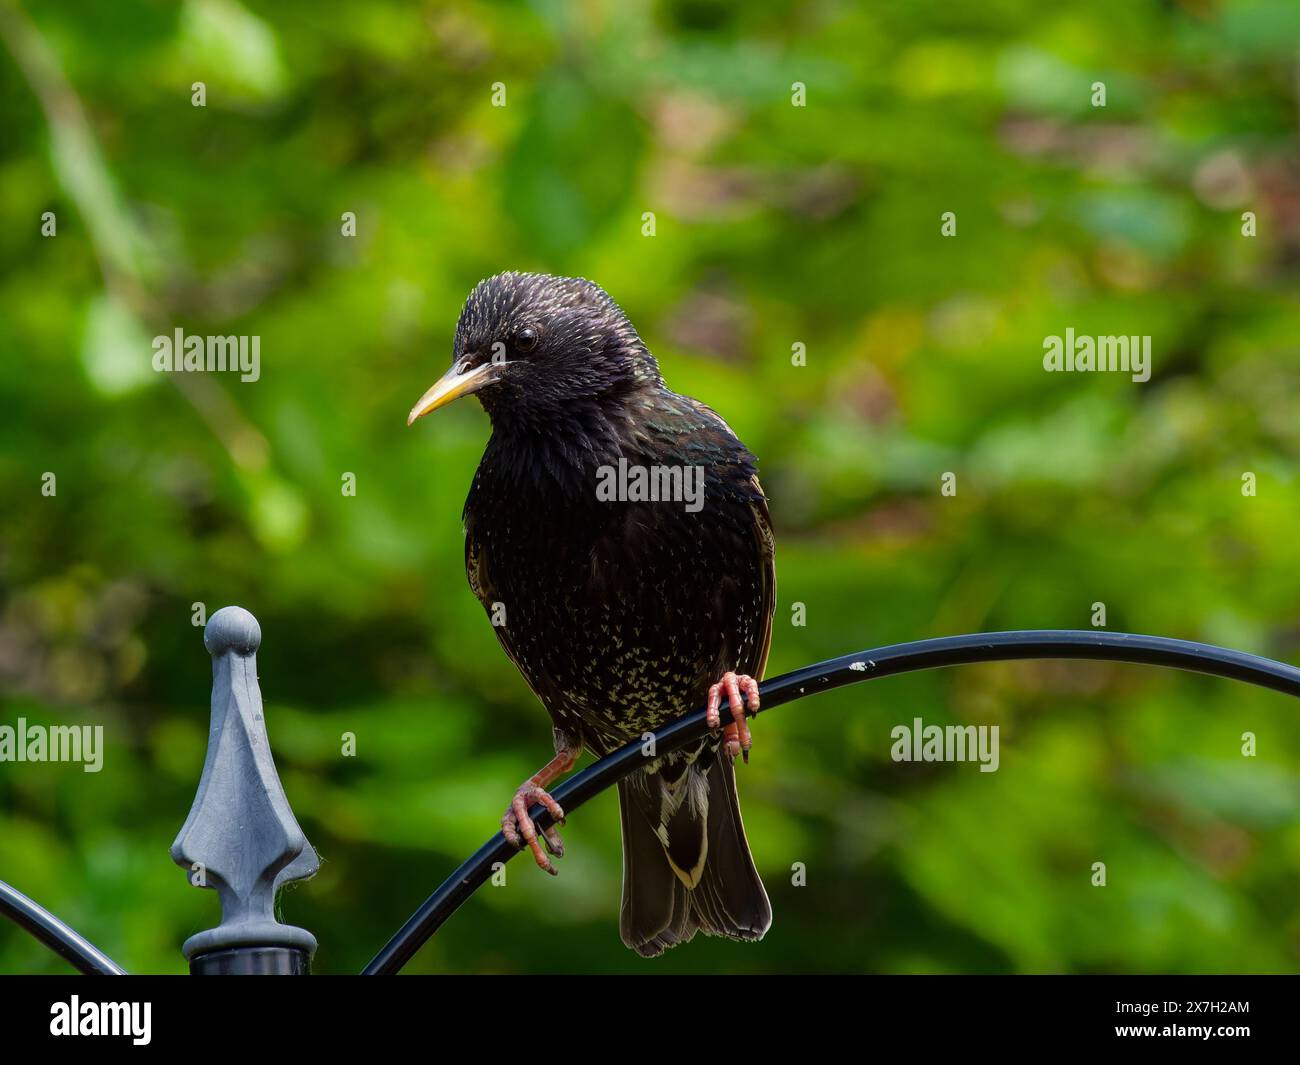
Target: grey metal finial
[{"x": 241, "y": 834}]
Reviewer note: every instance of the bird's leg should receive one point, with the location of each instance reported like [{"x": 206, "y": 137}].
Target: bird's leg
[
  {"x": 735, "y": 737},
  {"x": 518, "y": 827}
]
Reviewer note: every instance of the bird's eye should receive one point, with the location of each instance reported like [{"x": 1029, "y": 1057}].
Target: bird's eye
[{"x": 526, "y": 338}]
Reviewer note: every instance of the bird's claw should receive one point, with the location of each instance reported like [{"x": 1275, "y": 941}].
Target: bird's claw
[
  {"x": 736, "y": 738},
  {"x": 520, "y": 831}
]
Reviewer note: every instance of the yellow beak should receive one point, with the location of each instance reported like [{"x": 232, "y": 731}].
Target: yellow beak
[{"x": 451, "y": 385}]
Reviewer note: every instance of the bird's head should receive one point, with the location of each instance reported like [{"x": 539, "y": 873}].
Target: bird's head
[{"x": 535, "y": 348}]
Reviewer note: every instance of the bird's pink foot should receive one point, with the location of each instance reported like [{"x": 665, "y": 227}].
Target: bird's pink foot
[
  {"x": 520, "y": 831},
  {"x": 518, "y": 827},
  {"x": 736, "y": 738}
]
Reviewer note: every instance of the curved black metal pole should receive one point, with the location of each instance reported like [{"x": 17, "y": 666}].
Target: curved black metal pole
[
  {"x": 36, "y": 919},
  {"x": 835, "y": 673}
]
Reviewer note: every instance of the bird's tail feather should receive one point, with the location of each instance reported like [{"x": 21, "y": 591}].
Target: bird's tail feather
[
  {"x": 686, "y": 862},
  {"x": 730, "y": 899}
]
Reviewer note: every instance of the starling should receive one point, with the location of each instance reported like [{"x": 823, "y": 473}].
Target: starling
[{"x": 620, "y": 532}]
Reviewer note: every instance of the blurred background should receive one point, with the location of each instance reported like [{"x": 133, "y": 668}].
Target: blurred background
[{"x": 775, "y": 225}]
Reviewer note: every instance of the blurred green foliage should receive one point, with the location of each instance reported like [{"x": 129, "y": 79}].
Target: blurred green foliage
[{"x": 775, "y": 225}]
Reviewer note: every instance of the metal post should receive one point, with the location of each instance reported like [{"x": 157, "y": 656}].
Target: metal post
[{"x": 241, "y": 837}]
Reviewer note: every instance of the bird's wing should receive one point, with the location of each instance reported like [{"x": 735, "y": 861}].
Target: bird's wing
[
  {"x": 767, "y": 553},
  {"x": 480, "y": 581},
  {"x": 765, "y": 540}
]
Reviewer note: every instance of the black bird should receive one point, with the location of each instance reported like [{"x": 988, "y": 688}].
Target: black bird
[{"x": 618, "y": 538}]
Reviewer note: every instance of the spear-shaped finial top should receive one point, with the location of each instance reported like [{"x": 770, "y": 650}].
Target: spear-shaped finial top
[{"x": 241, "y": 836}]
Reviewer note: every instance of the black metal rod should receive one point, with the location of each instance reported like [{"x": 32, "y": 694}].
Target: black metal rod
[
  {"x": 836, "y": 673},
  {"x": 36, "y": 919}
]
